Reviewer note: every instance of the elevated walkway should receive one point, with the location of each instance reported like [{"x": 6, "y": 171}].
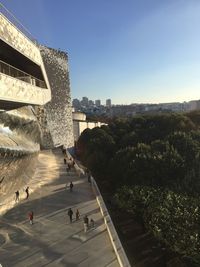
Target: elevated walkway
[
  {"x": 52, "y": 240},
  {"x": 23, "y": 77}
]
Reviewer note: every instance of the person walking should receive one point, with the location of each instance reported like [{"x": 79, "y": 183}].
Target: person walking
[
  {"x": 30, "y": 215},
  {"x": 1, "y": 181},
  {"x": 73, "y": 162},
  {"x": 77, "y": 215},
  {"x": 27, "y": 192},
  {"x": 89, "y": 178},
  {"x": 92, "y": 223},
  {"x": 68, "y": 167},
  {"x": 85, "y": 223},
  {"x": 71, "y": 186},
  {"x": 16, "y": 196},
  {"x": 70, "y": 214}
]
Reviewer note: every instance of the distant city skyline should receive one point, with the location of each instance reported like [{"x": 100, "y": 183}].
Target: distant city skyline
[
  {"x": 109, "y": 100},
  {"x": 91, "y": 107},
  {"x": 87, "y": 101},
  {"x": 145, "y": 51}
]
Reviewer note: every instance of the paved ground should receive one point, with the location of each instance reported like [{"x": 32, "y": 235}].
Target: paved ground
[{"x": 52, "y": 240}]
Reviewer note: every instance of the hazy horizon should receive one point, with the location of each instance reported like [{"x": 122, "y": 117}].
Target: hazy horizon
[{"x": 103, "y": 102}]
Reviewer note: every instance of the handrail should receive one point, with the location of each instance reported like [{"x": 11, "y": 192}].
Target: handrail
[
  {"x": 114, "y": 238},
  {"x": 20, "y": 75}
]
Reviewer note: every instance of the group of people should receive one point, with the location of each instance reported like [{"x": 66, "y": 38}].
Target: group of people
[
  {"x": 30, "y": 214},
  {"x": 70, "y": 214},
  {"x": 86, "y": 223},
  {"x": 17, "y": 194}
]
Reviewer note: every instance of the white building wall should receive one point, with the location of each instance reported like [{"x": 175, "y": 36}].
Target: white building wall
[
  {"x": 76, "y": 130},
  {"x": 80, "y": 126},
  {"x": 79, "y": 116},
  {"x": 193, "y": 105}
]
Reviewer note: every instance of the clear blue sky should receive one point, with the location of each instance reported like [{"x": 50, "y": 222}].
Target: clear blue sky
[{"x": 132, "y": 51}]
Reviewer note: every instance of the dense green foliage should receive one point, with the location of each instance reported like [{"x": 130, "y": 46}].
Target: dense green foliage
[
  {"x": 152, "y": 163},
  {"x": 173, "y": 218},
  {"x": 161, "y": 150}
]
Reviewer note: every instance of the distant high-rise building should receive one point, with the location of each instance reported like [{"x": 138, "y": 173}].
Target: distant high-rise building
[
  {"x": 76, "y": 103},
  {"x": 84, "y": 101},
  {"x": 91, "y": 103},
  {"x": 98, "y": 103},
  {"x": 108, "y": 102}
]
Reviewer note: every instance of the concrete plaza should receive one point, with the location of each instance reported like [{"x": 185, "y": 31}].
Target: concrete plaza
[{"x": 52, "y": 240}]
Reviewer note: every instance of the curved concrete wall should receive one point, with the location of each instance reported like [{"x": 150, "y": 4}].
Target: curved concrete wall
[{"x": 19, "y": 147}]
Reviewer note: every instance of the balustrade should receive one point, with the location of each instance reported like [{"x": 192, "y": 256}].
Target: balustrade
[{"x": 20, "y": 75}]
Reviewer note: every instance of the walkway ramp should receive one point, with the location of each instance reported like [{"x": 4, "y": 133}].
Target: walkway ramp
[{"x": 52, "y": 240}]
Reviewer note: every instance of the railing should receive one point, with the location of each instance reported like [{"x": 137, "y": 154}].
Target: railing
[{"x": 20, "y": 75}]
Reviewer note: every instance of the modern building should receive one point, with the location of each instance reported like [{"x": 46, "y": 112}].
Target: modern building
[
  {"x": 84, "y": 101},
  {"x": 193, "y": 105},
  {"x": 76, "y": 104},
  {"x": 108, "y": 103},
  {"x": 98, "y": 103},
  {"x": 80, "y": 124},
  {"x": 23, "y": 79},
  {"x": 91, "y": 103},
  {"x": 35, "y": 104},
  {"x": 32, "y": 75}
]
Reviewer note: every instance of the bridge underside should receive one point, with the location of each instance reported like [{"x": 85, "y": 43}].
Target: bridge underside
[
  {"x": 19, "y": 61},
  {"x": 9, "y": 105}
]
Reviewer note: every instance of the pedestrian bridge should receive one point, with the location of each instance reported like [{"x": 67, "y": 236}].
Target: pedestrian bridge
[{"x": 23, "y": 78}]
